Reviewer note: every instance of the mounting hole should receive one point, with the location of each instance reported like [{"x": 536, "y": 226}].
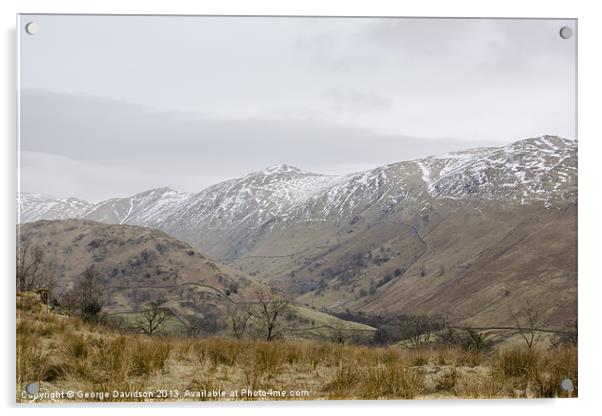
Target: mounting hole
[
  {"x": 566, "y": 32},
  {"x": 32, "y": 28},
  {"x": 32, "y": 388},
  {"x": 567, "y": 384}
]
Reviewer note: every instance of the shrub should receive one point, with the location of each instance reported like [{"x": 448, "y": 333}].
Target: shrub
[
  {"x": 392, "y": 382},
  {"x": 447, "y": 381},
  {"x": 552, "y": 367},
  {"x": 516, "y": 362},
  {"x": 76, "y": 347},
  {"x": 147, "y": 357},
  {"x": 343, "y": 383},
  {"x": 112, "y": 356}
]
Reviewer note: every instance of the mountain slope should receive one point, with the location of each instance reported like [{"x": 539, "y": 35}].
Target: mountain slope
[
  {"x": 34, "y": 207},
  {"x": 445, "y": 234},
  {"x": 149, "y": 208},
  {"x": 476, "y": 264},
  {"x": 136, "y": 265},
  {"x": 531, "y": 171}
]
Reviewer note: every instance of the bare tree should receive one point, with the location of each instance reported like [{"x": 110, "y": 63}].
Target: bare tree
[
  {"x": 466, "y": 338},
  {"x": 527, "y": 320},
  {"x": 339, "y": 333},
  {"x": 419, "y": 329},
  {"x": 85, "y": 298},
  {"x": 568, "y": 336},
  {"x": 201, "y": 323},
  {"x": 239, "y": 316},
  {"x": 336, "y": 333},
  {"x": 33, "y": 272},
  {"x": 153, "y": 318},
  {"x": 194, "y": 325},
  {"x": 270, "y": 307}
]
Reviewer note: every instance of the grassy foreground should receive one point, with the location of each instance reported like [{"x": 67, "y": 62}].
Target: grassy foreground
[{"x": 74, "y": 361}]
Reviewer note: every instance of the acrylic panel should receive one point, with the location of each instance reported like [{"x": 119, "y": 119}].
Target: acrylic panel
[{"x": 295, "y": 208}]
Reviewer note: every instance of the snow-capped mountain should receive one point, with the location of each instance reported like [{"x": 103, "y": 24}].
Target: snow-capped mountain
[
  {"x": 149, "y": 208},
  {"x": 527, "y": 170},
  {"x": 531, "y": 171},
  {"x": 253, "y": 199},
  {"x": 33, "y": 207},
  {"x": 463, "y": 234}
]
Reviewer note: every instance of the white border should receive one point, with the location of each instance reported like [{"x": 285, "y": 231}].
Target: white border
[{"x": 590, "y": 158}]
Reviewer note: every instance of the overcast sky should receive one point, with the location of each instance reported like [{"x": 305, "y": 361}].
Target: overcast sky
[{"x": 112, "y": 106}]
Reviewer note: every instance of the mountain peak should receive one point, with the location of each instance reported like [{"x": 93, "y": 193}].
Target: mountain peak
[
  {"x": 539, "y": 169},
  {"x": 159, "y": 191},
  {"x": 281, "y": 168}
]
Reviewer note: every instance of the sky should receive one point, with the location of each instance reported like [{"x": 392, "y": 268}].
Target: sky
[{"x": 115, "y": 105}]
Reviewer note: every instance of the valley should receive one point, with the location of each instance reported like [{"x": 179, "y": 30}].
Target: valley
[{"x": 471, "y": 235}]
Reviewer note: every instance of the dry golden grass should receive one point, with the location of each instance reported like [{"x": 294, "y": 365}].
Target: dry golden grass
[{"x": 62, "y": 353}]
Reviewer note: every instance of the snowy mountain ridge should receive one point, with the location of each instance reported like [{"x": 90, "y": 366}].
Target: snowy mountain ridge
[{"x": 532, "y": 171}]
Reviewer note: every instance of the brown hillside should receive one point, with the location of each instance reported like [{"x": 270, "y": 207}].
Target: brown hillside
[{"x": 138, "y": 264}]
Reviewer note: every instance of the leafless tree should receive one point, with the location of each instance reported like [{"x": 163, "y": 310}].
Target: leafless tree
[
  {"x": 270, "y": 307},
  {"x": 117, "y": 323},
  {"x": 336, "y": 333},
  {"x": 86, "y": 296},
  {"x": 420, "y": 339},
  {"x": 239, "y": 316},
  {"x": 418, "y": 329},
  {"x": 568, "y": 336},
  {"x": 195, "y": 326},
  {"x": 202, "y": 322},
  {"x": 466, "y": 338},
  {"x": 339, "y": 333},
  {"x": 527, "y": 320},
  {"x": 151, "y": 321},
  {"x": 33, "y": 272}
]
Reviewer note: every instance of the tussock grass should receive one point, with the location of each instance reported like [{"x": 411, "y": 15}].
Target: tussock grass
[
  {"x": 65, "y": 353},
  {"x": 344, "y": 382},
  {"x": 536, "y": 372},
  {"x": 148, "y": 356},
  {"x": 393, "y": 382},
  {"x": 448, "y": 380},
  {"x": 382, "y": 382},
  {"x": 76, "y": 347},
  {"x": 516, "y": 362}
]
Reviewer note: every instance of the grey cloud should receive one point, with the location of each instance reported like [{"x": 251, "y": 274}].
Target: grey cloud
[
  {"x": 418, "y": 36},
  {"x": 531, "y": 52},
  {"x": 64, "y": 177},
  {"x": 96, "y": 135},
  {"x": 347, "y": 99},
  {"x": 189, "y": 100}
]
